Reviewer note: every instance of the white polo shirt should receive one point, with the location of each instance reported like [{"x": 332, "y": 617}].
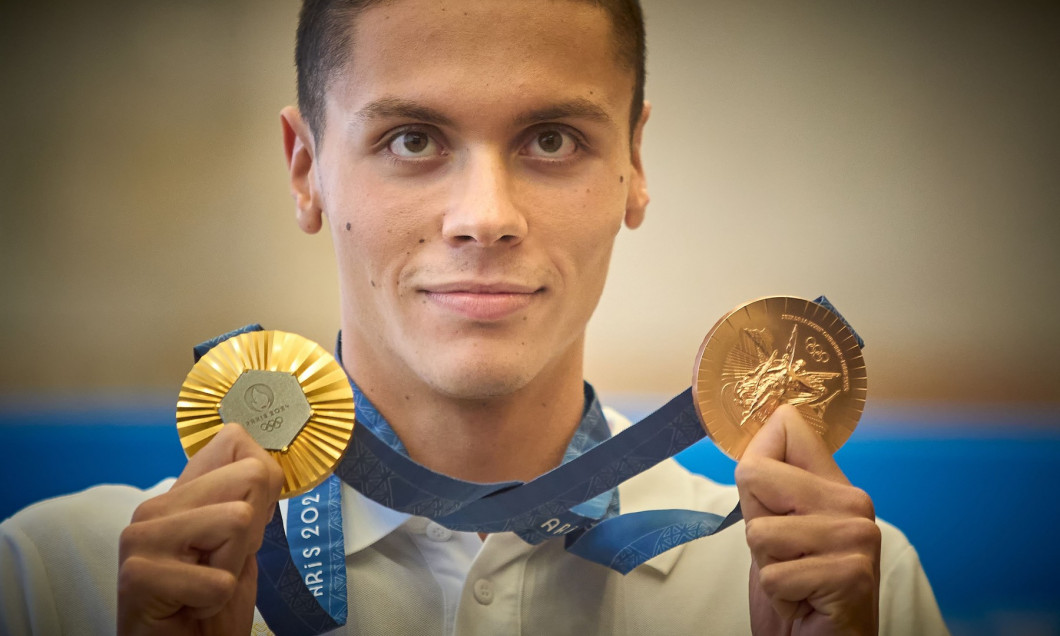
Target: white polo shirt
[{"x": 408, "y": 575}]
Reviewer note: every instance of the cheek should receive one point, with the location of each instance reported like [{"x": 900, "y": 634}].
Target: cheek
[
  {"x": 377, "y": 231},
  {"x": 599, "y": 218},
  {"x": 588, "y": 234}
]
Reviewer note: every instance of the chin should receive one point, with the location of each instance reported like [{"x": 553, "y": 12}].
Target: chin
[{"x": 479, "y": 379}]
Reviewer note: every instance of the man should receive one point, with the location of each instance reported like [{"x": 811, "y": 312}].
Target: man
[{"x": 474, "y": 161}]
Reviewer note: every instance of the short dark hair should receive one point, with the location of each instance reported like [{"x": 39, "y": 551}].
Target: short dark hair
[{"x": 325, "y": 32}]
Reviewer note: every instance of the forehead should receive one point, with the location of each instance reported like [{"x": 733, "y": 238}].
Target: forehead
[{"x": 483, "y": 51}]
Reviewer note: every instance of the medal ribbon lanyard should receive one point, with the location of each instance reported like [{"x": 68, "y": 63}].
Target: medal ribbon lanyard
[
  {"x": 302, "y": 596},
  {"x": 301, "y": 585},
  {"x": 302, "y": 572}
]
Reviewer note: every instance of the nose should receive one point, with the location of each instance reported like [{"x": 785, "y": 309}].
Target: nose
[{"x": 483, "y": 210}]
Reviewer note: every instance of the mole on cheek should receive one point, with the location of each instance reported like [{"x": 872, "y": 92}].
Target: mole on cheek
[
  {"x": 348, "y": 226},
  {"x": 621, "y": 179}
]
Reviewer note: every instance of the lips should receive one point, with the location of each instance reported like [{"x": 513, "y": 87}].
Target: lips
[{"x": 482, "y": 302}]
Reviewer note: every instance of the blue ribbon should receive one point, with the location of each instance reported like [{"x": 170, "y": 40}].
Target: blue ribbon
[
  {"x": 301, "y": 585},
  {"x": 578, "y": 500},
  {"x": 295, "y": 594}
]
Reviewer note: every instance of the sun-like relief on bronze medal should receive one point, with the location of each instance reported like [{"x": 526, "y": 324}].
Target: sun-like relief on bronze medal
[{"x": 774, "y": 351}]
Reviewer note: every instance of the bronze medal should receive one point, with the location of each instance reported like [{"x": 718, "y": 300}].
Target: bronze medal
[
  {"x": 774, "y": 351},
  {"x": 287, "y": 392}
]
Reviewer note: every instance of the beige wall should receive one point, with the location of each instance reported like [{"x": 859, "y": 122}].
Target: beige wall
[{"x": 902, "y": 158}]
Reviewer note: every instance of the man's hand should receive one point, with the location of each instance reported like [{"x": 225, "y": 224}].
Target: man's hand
[
  {"x": 187, "y": 560},
  {"x": 815, "y": 546}
]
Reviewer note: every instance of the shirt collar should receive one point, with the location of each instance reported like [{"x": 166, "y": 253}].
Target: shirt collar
[
  {"x": 364, "y": 521},
  {"x": 663, "y": 486}
]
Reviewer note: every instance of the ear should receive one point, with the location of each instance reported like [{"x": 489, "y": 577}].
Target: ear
[
  {"x": 637, "y": 198},
  {"x": 299, "y": 149}
]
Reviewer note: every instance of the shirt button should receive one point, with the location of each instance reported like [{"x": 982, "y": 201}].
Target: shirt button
[
  {"x": 483, "y": 591},
  {"x": 438, "y": 533},
  {"x": 417, "y": 525}
]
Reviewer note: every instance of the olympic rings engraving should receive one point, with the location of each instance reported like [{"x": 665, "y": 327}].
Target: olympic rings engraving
[{"x": 816, "y": 351}]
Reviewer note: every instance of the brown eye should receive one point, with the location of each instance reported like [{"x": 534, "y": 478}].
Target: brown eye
[
  {"x": 413, "y": 143},
  {"x": 552, "y": 144},
  {"x": 550, "y": 141}
]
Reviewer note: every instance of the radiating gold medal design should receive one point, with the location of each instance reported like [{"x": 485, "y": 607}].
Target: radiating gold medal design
[
  {"x": 287, "y": 392},
  {"x": 774, "y": 351}
]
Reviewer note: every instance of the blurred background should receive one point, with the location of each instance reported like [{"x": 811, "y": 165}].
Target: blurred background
[{"x": 900, "y": 157}]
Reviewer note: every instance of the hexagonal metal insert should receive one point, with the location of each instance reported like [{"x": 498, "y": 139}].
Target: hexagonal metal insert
[{"x": 269, "y": 404}]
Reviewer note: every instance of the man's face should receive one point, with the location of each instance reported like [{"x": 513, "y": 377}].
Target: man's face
[{"x": 475, "y": 169}]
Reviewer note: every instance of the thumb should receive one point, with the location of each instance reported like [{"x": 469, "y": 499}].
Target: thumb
[{"x": 787, "y": 437}]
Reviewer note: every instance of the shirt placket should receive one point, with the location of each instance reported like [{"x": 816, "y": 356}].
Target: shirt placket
[{"x": 491, "y": 601}]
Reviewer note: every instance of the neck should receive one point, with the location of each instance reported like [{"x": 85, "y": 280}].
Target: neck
[{"x": 517, "y": 436}]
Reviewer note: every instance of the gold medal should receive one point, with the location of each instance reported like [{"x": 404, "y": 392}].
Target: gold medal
[
  {"x": 775, "y": 351},
  {"x": 287, "y": 392}
]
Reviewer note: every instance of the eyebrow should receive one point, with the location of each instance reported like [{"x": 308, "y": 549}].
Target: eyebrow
[
  {"x": 394, "y": 107},
  {"x": 579, "y": 108}
]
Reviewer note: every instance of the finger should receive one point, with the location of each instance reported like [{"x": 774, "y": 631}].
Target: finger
[
  {"x": 770, "y": 487},
  {"x": 249, "y": 480},
  {"x": 244, "y": 595},
  {"x": 787, "y": 437},
  {"x": 230, "y": 445},
  {"x": 766, "y": 617},
  {"x": 219, "y": 535},
  {"x": 243, "y": 599},
  {"x": 152, "y": 590},
  {"x": 844, "y": 588},
  {"x": 775, "y": 539}
]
